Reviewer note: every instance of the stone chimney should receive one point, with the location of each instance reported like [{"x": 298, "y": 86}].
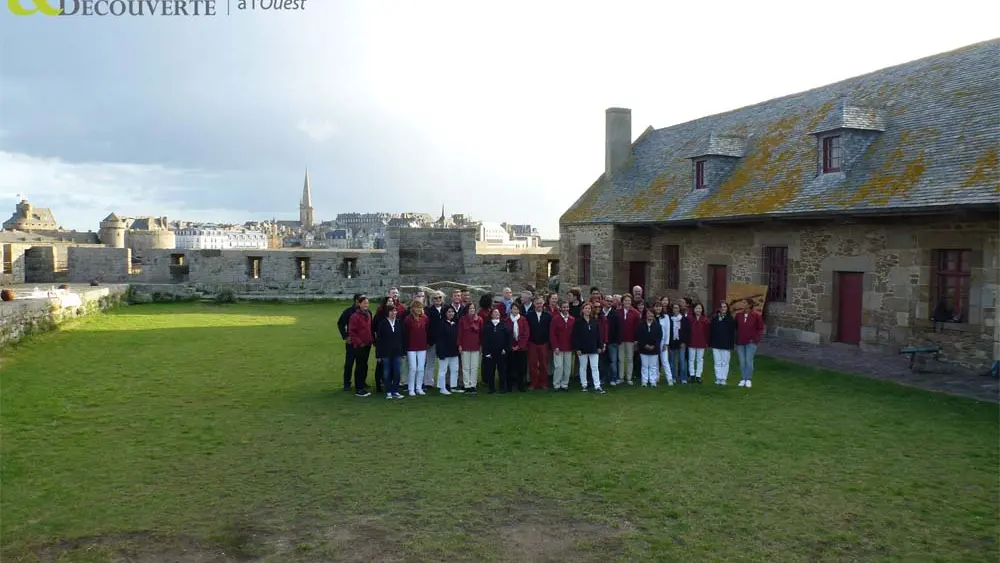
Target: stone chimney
[{"x": 617, "y": 138}]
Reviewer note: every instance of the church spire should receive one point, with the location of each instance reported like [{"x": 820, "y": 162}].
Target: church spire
[
  {"x": 306, "y": 192},
  {"x": 305, "y": 205}
]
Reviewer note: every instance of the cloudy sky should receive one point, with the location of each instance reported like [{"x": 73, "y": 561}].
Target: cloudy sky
[{"x": 494, "y": 110}]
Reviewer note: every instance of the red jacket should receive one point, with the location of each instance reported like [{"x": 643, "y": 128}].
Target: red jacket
[
  {"x": 749, "y": 328},
  {"x": 416, "y": 333},
  {"x": 699, "y": 331},
  {"x": 359, "y": 329},
  {"x": 523, "y": 332},
  {"x": 469, "y": 333},
  {"x": 561, "y": 333},
  {"x": 554, "y": 311},
  {"x": 630, "y": 323}
]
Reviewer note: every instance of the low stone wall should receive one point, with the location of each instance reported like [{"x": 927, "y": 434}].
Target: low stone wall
[{"x": 22, "y": 317}]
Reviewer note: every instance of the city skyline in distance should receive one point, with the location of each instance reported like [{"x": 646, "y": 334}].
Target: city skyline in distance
[{"x": 395, "y": 110}]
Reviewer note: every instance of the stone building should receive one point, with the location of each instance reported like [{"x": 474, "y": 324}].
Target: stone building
[
  {"x": 137, "y": 232},
  {"x": 27, "y": 217},
  {"x": 869, "y": 207}
]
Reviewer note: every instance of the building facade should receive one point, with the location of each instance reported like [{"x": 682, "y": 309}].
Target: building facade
[
  {"x": 210, "y": 236},
  {"x": 27, "y": 217},
  {"x": 869, "y": 208}
]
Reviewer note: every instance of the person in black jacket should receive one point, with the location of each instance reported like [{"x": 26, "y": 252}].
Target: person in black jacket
[
  {"x": 539, "y": 323},
  {"x": 345, "y": 318},
  {"x": 496, "y": 350},
  {"x": 613, "y": 339},
  {"x": 447, "y": 352},
  {"x": 588, "y": 343},
  {"x": 648, "y": 338},
  {"x": 390, "y": 346},
  {"x": 435, "y": 314},
  {"x": 721, "y": 339},
  {"x": 381, "y": 313},
  {"x": 676, "y": 340}
]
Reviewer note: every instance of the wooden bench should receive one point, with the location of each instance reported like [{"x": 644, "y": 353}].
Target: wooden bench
[{"x": 916, "y": 351}]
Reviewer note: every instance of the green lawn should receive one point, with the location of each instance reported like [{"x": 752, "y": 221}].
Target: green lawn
[{"x": 194, "y": 432}]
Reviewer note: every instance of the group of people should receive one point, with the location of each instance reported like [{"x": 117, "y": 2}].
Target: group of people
[{"x": 537, "y": 341}]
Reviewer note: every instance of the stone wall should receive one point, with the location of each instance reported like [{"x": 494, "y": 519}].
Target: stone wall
[
  {"x": 894, "y": 256},
  {"x": 106, "y": 265},
  {"x": 13, "y": 263},
  {"x": 601, "y": 241},
  {"x": 40, "y": 264},
  {"x": 22, "y": 317},
  {"x": 412, "y": 257}
]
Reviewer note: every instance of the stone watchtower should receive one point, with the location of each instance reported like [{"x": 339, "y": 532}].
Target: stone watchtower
[{"x": 112, "y": 232}]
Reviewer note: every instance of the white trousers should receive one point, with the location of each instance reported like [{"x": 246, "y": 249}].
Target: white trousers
[
  {"x": 591, "y": 359},
  {"x": 562, "y": 370},
  {"x": 696, "y": 361},
  {"x": 470, "y": 369},
  {"x": 446, "y": 365},
  {"x": 721, "y": 360},
  {"x": 649, "y": 368},
  {"x": 665, "y": 362},
  {"x": 626, "y": 357},
  {"x": 415, "y": 361},
  {"x": 429, "y": 370}
]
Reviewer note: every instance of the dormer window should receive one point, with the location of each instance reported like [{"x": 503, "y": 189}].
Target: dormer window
[
  {"x": 831, "y": 154},
  {"x": 699, "y": 175}
]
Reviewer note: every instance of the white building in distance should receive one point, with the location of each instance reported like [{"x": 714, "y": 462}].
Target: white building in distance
[{"x": 214, "y": 237}]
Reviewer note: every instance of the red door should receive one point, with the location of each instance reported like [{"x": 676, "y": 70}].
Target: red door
[
  {"x": 718, "y": 278},
  {"x": 849, "y": 293},
  {"x": 637, "y": 276}
]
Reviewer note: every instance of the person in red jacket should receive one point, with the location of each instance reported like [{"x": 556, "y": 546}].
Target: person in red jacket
[
  {"x": 626, "y": 352},
  {"x": 749, "y": 331},
  {"x": 561, "y": 337},
  {"x": 360, "y": 335},
  {"x": 415, "y": 328},
  {"x": 700, "y": 325},
  {"x": 520, "y": 333},
  {"x": 470, "y": 330}
]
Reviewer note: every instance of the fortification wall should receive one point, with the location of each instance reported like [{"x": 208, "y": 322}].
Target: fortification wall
[
  {"x": 22, "y": 317},
  {"x": 106, "y": 265}
]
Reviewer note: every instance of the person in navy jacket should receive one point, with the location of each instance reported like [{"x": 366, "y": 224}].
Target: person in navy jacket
[
  {"x": 447, "y": 352},
  {"x": 520, "y": 334},
  {"x": 649, "y": 335},
  {"x": 721, "y": 339},
  {"x": 390, "y": 345},
  {"x": 496, "y": 351},
  {"x": 588, "y": 343},
  {"x": 539, "y": 323}
]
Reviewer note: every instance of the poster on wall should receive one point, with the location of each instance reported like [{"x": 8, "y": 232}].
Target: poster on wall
[{"x": 738, "y": 293}]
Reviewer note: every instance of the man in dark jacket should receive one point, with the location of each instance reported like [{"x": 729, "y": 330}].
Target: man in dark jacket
[
  {"x": 345, "y": 317},
  {"x": 435, "y": 315},
  {"x": 539, "y": 323}
]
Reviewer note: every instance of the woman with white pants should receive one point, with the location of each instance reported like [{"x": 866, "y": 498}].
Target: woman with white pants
[
  {"x": 722, "y": 338},
  {"x": 665, "y": 325},
  {"x": 416, "y": 347},
  {"x": 649, "y": 337},
  {"x": 446, "y": 345},
  {"x": 700, "y": 326},
  {"x": 470, "y": 330}
]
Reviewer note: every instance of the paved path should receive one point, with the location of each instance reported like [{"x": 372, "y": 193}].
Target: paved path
[{"x": 876, "y": 365}]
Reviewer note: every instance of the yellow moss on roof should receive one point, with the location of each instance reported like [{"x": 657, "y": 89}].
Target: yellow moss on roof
[
  {"x": 895, "y": 179},
  {"x": 985, "y": 170},
  {"x": 765, "y": 161},
  {"x": 584, "y": 208}
]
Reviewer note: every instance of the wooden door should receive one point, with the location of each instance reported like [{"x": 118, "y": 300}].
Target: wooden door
[
  {"x": 849, "y": 293},
  {"x": 718, "y": 277},
  {"x": 637, "y": 276}
]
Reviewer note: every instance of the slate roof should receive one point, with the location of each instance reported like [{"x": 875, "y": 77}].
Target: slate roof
[{"x": 939, "y": 119}]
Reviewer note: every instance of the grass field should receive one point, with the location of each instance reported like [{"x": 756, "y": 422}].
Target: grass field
[{"x": 219, "y": 433}]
